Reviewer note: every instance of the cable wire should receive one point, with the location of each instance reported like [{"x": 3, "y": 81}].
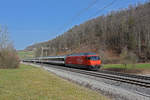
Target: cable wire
[
  {"x": 86, "y": 9},
  {"x": 79, "y": 14},
  {"x": 108, "y": 5}
]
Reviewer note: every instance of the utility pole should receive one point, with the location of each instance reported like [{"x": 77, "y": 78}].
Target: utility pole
[{"x": 44, "y": 49}]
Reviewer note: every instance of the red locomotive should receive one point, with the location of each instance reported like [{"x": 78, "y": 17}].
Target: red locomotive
[{"x": 83, "y": 60}]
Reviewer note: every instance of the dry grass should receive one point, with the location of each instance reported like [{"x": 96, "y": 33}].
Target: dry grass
[
  {"x": 141, "y": 68},
  {"x": 30, "y": 83}
]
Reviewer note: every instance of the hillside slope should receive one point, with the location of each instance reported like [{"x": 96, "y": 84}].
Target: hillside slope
[{"x": 127, "y": 28}]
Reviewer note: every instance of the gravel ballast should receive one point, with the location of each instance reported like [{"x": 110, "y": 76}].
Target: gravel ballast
[{"x": 113, "y": 89}]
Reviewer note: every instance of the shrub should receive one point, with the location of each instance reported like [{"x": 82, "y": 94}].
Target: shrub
[
  {"x": 128, "y": 58},
  {"x": 8, "y": 55},
  {"x": 8, "y": 59},
  {"x": 103, "y": 56}
]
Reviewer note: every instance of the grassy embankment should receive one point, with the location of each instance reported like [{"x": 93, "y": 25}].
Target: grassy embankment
[
  {"x": 25, "y": 54},
  {"x": 143, "y": 68},
  {"x": 31, "y": 83}
]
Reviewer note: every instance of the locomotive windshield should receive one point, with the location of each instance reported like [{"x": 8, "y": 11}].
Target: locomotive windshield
[{"x": 93, "y": 58}]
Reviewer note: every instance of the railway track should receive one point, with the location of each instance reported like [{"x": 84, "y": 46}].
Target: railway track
[
  {"x": 138, "y": 80},
  {"x": 134, "y": 81},
  {"x": 143, "y": 81},
  {"x": 142, "y": 77}
]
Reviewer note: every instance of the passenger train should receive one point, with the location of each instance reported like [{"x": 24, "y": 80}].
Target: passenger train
[{"x": 89, "y": 61}]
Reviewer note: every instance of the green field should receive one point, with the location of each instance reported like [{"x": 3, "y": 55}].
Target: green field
[
  {"x": 31, "y": 83},
  {"x": 129, "y": 66},
  {"x": 25, "y": 54}
]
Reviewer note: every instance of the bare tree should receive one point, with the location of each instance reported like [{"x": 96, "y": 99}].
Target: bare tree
[{"x": 8, "y": 55}]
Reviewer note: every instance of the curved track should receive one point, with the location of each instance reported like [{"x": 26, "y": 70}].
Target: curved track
[
  {"x": 138, "y": 80},
  {"x": 126, "y": 75}
]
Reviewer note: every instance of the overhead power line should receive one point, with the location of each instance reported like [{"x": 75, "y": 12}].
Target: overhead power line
[
  {"x": 108, "y": 5},
  {"x": 84, "y": 10},
  {"x": 78, "y": 14}
]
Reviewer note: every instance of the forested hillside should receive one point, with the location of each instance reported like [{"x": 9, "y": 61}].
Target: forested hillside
[{"x": 106, "y": 35}]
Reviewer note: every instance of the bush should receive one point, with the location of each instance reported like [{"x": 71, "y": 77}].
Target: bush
[
  {"x": 8, "y": 58},
  {"x": 128, "y": 58},
  {"x": 103, "y": 56},
  {"x": 8, "y": 55}
]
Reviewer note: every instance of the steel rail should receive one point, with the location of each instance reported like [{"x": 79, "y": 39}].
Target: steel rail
[
  {"x": 116, "y": 78},
  {"x": 142, "y": 77},
  {"x": 121, "y": 77}
]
